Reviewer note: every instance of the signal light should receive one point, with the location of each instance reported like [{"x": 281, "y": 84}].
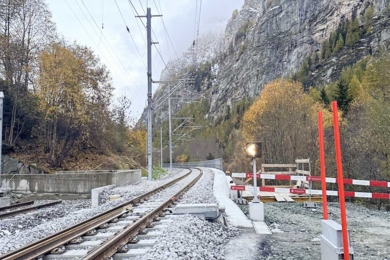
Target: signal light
[{"x": 253, "y": 150}]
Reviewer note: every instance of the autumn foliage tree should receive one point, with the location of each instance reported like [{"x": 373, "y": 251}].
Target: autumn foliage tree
[
  {"x": 283, "y": 118},
  {"x": 75, "y": 90}
]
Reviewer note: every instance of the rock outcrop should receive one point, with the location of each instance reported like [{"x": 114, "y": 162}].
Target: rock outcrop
[{"x": 268, "y": 39}]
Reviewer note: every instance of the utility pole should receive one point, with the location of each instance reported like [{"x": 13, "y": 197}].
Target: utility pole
[
  {"x": 170, "y": 128},
  {"x": 161, "y": 150},
  {"x": 150, "y": 112}
]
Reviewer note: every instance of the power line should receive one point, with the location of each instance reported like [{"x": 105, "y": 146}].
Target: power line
[
  {"x": 128, "y": 30},
  {"x": 159, "y": 53},
  {"x": 124, "y": 67},
  {"x": 119, "y": 76},
  {"x": 165, "y": 28}
]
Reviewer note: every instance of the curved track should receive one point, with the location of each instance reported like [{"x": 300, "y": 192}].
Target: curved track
[{"x": 130, "y": 223}]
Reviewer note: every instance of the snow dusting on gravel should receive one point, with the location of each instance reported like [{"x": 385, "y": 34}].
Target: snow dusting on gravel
[
  {"x": 48, "y": 221},
  {"x": 190, "y": 237},
  {"x": 202, "y": 191}
]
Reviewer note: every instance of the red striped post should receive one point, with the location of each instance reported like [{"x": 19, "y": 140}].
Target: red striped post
[
  {"x": 340, "y": 179},
  {"x": 322, "y": 163}
]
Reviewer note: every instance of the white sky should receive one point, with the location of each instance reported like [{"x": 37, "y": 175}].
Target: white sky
[{"x": 114, "y": 45}]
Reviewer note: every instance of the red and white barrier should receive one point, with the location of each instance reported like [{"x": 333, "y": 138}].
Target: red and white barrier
[
  {"x": 328, "y": 180},
  {"x": 328, "y": 193},
  {"x": 314, "y": 192}
]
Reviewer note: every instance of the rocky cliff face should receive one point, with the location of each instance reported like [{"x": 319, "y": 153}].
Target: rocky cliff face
[{"x": 268, "y": 39}]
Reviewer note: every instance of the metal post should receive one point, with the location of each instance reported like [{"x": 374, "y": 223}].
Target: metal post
[
  {"x": 149, "y": 37},
  {"x": 161, "y": 150},
  {"x": 322, "y": 162},
  {"x": 1, "y": 132},
  {"x": 340, "y": 179},
  {"x": 255, "y": 199},
  {"x": 170, "y": 128}
]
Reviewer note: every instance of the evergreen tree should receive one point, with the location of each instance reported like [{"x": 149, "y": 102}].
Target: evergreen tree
[
  {"x": 339, "y": 44},
  {"x": 324, "y": 97},
  {"x": 353, "y": 33},
  {"x": 343, "y": 96}
]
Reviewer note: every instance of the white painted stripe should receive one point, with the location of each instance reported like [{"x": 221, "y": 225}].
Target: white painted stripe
[
  {"x": 298, "y": 178},
  {"x": 282, "y": 190},
  {"x": 388, "y": 184},
  {"x": 267, "y": 176},
  {"x": 363, "y": 195},
  {"x": 239, "y": 174},
  {"x": 331, "y": 193},
  {"x": 331, "y": 180},
  {"x": 314, "y": 192},
  {"x": 361, "y": 182}
]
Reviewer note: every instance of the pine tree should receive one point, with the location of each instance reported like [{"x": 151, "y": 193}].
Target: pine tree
[
  {"x": 324, "y": 97},
  {"x": 343, "y": 97},
  {"x": 339, "y": 43}
]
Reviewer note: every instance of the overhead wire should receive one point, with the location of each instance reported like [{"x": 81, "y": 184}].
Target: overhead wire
[
  {"x": 132, "y": 38},
  {"x": 165, "y": 28},
  {"x": 89, "y": 35}
]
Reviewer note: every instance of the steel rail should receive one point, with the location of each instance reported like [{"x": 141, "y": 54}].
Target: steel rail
[
  {"x": 31, "y": 208},
  {"x": 39, "y": 248},
  {"x": 17, "y": 205},
  {"x": 110, "y": 247}
]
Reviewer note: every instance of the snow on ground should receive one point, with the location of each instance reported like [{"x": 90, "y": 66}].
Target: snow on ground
[
  {"x": 202, "y": 191},
  {"x": 26, "y": 228},
  {"x": 233, "y": 213},
  {"x": 190, "y": 237},
  {"x": 297, "y": 230}
]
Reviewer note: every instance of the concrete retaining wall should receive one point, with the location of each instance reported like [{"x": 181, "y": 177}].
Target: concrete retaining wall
[
  {"x": 71, "y": 182},
  {"x": 215, "y": 163}
]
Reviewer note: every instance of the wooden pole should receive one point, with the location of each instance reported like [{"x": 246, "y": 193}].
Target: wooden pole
[
  {"x": 322, "y": 163},
  {"x": 340, "y": 180}
]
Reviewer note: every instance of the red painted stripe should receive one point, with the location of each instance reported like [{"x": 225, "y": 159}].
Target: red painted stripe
[
  {"x": 347, "y": 181},
  {"x": 283, "y": 177},
  {"x": 313, "y": 178},
  {"x": 237, "y": 187},
  {"x": 298, "y": 191},
  {"x": 381, "y": 196},
  {"x": 250, "y": 175},
  {"x": 268, "y": 189},
  {"x": 349, "y": 194},
  {"x": 378, "y": 183}
]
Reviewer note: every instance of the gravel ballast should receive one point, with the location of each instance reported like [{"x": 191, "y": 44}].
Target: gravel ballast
[
  {"x": 24, "y": 229},
  {"x": 190, "y": 237}
]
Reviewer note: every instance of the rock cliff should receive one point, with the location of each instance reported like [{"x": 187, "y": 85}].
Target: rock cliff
[{"x": 268, "y": 39}]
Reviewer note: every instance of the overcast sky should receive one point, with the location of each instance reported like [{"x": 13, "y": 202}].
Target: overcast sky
[{"x": 114, "y": 45}]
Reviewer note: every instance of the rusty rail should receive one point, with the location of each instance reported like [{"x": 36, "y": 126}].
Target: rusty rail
[
  {"x": 39, "y": 248},
  {"x": 110, "y": 247},
  {"x": 31, "y": 208}
]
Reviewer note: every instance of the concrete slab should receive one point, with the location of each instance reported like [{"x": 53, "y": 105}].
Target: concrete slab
[
  {"x": 5, "y": 201},
  {"x": 261, "y": 228},
  {"x": 143, "y": 243},
  {"x": 69, "y": 254},
  {"x": 234, "y": 214},
  {"x": 207, "y": 210},
  {"x": 151, "y": 234},
  {"x": 99, "y": 236},
  {"x": 82, "y": 245},
  {"x": 256, "y": 211},
  {"x": 131, "y": 253}
]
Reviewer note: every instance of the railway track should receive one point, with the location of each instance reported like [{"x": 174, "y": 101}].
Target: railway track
[
  {"x": 110, "y": 232},
  {"x": 26, "y": 209}
]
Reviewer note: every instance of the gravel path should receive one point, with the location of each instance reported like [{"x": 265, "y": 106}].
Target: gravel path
[
  {"x": 190, "y": 237},
  {"x": 47, "y": 221},
  {"x": 300, "y": 229}
]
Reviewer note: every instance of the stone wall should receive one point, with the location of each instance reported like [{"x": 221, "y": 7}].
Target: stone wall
[
  {"x": 14, "y": 166},
  {"x": 68, "y": 183}
]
